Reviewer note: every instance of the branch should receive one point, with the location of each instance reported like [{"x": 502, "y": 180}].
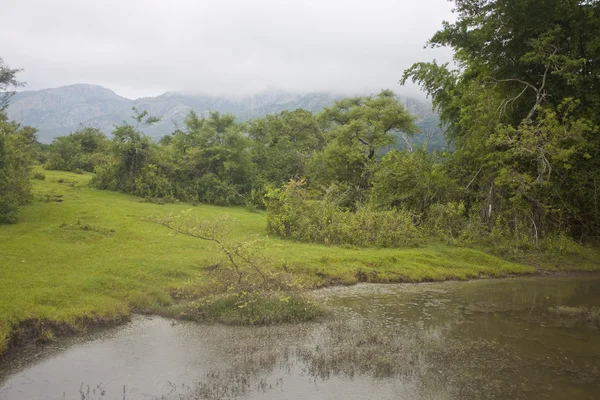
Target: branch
[{"x": 473, "y": 180}]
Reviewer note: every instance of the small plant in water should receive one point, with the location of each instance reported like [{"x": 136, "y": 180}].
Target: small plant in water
[{"x": 246, "y": 288}]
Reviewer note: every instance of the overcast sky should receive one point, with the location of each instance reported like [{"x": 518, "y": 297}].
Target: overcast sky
[{"x": 233, "y": 47}]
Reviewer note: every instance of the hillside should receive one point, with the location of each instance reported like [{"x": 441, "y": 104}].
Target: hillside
[{"x": 59, "y": 111}]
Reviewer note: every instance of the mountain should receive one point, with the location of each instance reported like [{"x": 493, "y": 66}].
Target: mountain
[{"x": 62, "y": 110}]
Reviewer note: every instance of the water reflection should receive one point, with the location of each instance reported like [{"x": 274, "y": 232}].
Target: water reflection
[{"x": 480, "y": 339}]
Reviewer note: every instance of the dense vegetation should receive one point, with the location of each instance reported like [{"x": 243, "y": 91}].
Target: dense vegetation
[
  {"x": 521, "y": 111},
  {"x": 16, "y": 153}
]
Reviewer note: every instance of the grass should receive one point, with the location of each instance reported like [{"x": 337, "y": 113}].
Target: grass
[
  {"x": 255, "y": 309},
  {"x": 79, "y": 254}
]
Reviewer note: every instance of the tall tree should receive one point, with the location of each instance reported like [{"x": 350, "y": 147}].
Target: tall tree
[
  {"x": 215, "y": 159},
  {"x": 355, "y": 129},
  {"x": 521, "y": 109},
  {"x": 282, "y": 144}
]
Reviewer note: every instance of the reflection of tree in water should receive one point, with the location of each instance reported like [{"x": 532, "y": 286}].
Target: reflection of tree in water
[{"x": 437, "y": 365}]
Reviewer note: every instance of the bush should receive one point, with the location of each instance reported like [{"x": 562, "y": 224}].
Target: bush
[
  {"x": 245, "y": 289},
  {"x": 39, "y": 176},
  {"x": 107, "y": 177},
  {"x": 15, "y": 169},
  {"x": 290, "y": 213},
  {"x": 80, "y": 151},
  {"x": 560, "y": 244}
]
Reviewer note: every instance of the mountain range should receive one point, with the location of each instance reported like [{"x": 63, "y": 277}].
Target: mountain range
[{"x": 60, "y": 111}]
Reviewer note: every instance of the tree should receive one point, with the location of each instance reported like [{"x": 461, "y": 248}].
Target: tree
[
  {"x": 283, "y": 143},
  {"x": 16, "y": 148},
  {"x": 16, "y": 144},
  {"x": 8, "y": 83},
  {"x": 131, "y": 152},
  {"x": 411, "y": 181},
  {"x": 521, "y": 110},
  {"x": 212, "y": 160},
  {"x": 81, "y": 150},
  {"x": 356, "y": 128}
]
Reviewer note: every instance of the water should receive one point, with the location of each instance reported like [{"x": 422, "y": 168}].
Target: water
[{"x": 513, "y": 338}]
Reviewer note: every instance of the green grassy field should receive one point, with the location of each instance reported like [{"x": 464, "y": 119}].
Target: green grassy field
[{"x": 79, "y": 254}]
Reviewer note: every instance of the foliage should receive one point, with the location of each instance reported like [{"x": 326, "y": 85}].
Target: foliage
[
  {"x": 83, "y": 150},
  {"x": 411, "y": 181},
  {"x": 213, "y": 160},
  {"x": 131, "y": 149},
  {"x": 246, "y": 288},
  {"x": 8, "y": 83},
  {"x": 16, "y": 147},
  {"x": 208, "y": 163},
  {"x": 291, "y": 213},
  {"x": 16, "y": 144},
  {"x": 248, "y": 308},
  {"x": 39, "y": 175},
  {"x": 283, "y": 143},
  {"x": 245, "y": 269},
  {"x": 355, "y": 129},
  {"x": 520, "y": 110},
  {"x": 131, "y": 153}
]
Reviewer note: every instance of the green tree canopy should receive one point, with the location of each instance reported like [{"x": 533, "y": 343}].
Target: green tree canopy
[
  {"x": 355, "y": 129},
  {"x": 81, "y": 150},
  {"x": 521, "y": 109},
  {"x": 282, "y": 144}
]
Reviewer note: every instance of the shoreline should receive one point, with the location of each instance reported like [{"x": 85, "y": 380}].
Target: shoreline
[{"x": 36, "y": 332}]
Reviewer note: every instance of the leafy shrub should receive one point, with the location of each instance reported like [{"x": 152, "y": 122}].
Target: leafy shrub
[
  {"x": 560, "y": 244},
  {"x": 412, "y": 181},
  {"x": 290, "y": 213},
  {"x": 255, "y": 200},
  {"x": 15, "y": 169},
  {"x": 212, "y": 189},
  {"x": 80, "y": 151},
  {"x": 39, "y": 176},
  {"x": 152, "y": 184},
  {"x": 106, "y": 177}
]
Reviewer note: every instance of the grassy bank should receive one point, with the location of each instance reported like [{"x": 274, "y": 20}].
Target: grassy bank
[{"x": 80, "y": 254}]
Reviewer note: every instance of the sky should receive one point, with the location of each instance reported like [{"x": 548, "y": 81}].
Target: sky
[{"x": 220, "y": 47}]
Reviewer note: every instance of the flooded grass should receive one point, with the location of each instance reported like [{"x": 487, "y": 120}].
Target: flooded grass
[{"x": 247, "y": 308}]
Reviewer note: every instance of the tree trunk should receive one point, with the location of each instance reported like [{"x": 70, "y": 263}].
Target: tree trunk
[{"x": 488, "y": 208}]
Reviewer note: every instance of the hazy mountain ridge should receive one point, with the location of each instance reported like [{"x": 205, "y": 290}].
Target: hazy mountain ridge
[{"x": 59, "y": 111}]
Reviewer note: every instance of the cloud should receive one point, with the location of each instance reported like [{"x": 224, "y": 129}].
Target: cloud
[{"x": 232, "y": 47}]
